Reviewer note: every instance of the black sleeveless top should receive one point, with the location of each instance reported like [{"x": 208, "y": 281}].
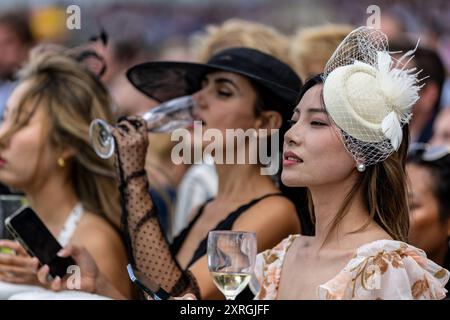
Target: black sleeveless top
[{"x": 225, "y": 224}]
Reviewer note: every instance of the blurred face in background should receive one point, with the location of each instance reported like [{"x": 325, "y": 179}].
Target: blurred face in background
[
  {"x": 441, "y": 129},
  {"x": 27, "y": 158},
  {"x": 12, "y": 52},
  {"x": 427, "y": 231}
]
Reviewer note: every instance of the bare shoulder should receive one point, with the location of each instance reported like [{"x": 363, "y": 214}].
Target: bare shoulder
[
  {"x": 96, "y": 230},
  {"x": 93, "y": 222},
  {"x": 302, "y": 241},
  {"x": 372, "y": 234},
  {"x": 272, "y": 209},
  {"x": 276, "y": 202}
]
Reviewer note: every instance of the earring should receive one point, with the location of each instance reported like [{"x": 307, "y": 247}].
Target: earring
[
  {"x": 361, "y": 167},
  {"x": 61, "y": 162}
]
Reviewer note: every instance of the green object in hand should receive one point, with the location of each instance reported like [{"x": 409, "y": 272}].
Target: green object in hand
[{"x": 6, "y": 250}]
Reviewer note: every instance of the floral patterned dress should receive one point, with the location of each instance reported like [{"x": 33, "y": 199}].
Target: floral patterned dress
[{"x": 383, "y": 269}]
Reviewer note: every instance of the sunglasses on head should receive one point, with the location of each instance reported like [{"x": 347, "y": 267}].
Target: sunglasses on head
[{"x": 428, "y": 153}]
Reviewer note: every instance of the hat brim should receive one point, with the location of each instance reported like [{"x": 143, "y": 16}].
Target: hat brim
[{"x": 162, "y": 81}]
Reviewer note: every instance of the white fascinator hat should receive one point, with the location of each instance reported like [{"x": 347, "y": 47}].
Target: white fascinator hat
[{"x": 369, "y": 95}]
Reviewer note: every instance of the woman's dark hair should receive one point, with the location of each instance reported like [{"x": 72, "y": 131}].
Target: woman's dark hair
[
  {"x": 299, "y": 195},
  {"x": 440, "y": 174},
  {"x": 266, "y": 101}
]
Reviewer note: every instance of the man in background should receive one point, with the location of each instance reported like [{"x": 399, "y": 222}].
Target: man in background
[{"x": 16, "y": 40}]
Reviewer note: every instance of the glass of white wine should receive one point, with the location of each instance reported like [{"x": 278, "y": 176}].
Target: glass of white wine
[{"x": 231, "y": 260}]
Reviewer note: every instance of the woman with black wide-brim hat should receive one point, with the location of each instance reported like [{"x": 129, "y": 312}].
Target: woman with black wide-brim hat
[{"x": 239, "y": 88}]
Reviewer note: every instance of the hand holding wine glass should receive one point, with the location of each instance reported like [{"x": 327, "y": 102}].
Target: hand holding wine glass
[{"x": 231, "y": 259}]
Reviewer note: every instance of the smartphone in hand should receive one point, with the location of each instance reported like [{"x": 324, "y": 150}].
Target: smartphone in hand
[
  {"x": 28, "y": 229},
  {"x": 147, "y": 285}
]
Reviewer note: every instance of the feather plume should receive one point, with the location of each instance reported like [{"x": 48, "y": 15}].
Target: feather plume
[
  {"x": 399, "y": 86},
  {"x": 392, "y": 129}
]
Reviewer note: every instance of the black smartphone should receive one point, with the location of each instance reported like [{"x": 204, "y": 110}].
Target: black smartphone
[
  {"x": 147, "y": 285},
  {"x": 27, "y": 228}
]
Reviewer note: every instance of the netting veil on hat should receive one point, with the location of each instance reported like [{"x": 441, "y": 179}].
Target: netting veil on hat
[{"x": 368, "y": 95}]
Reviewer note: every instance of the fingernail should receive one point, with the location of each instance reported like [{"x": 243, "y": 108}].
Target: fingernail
[{"x": 60, "y": 253}]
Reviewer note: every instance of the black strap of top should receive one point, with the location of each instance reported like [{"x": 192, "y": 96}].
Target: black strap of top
[
  {"x": 227, "y": 224},
  {"x": 179, "y": 239}
]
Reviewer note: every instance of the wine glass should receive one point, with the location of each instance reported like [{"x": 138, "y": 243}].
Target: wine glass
[
  {"x": 168, "y": 116},
  {"x": 231, "y": 259}
]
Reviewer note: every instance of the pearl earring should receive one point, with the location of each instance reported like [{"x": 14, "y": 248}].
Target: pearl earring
[{"x": 361, "y": 167}]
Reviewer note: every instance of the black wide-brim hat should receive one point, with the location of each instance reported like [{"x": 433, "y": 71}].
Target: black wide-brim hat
[{"x": 163, "y": 81}]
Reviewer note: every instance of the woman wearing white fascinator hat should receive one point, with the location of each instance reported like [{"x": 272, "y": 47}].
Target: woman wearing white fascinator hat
[
  {"x": 369, "y": 96},
  {"x": 348, "y": 145}
]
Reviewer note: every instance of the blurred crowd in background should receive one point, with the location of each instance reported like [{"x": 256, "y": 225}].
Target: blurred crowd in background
[{"x": 167, "y": 30}]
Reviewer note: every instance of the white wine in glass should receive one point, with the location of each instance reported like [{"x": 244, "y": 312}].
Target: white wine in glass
[
  {"x": 231, "y": 259},
  {"x": 231, "y": 284}
]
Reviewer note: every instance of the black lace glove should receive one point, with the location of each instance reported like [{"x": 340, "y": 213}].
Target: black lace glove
[{"x": 147, "y": 246}]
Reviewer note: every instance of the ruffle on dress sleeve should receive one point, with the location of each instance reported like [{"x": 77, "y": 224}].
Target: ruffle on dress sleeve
[
  {"x": 268, "y": 270},
  {"x": 387, "y": 269}
]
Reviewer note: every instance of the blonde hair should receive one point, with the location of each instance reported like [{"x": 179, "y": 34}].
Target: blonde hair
[
  {"x": 72, "y": 97},
  {"x": 312, "y": 47},
  {"x": 241, "y": 33}
]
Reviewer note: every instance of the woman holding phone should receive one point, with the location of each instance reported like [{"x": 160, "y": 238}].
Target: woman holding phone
[{"x": 45, "y": 152}]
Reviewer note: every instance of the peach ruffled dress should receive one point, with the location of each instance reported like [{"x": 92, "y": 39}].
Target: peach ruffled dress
[{"x": 383, "y": 269}]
